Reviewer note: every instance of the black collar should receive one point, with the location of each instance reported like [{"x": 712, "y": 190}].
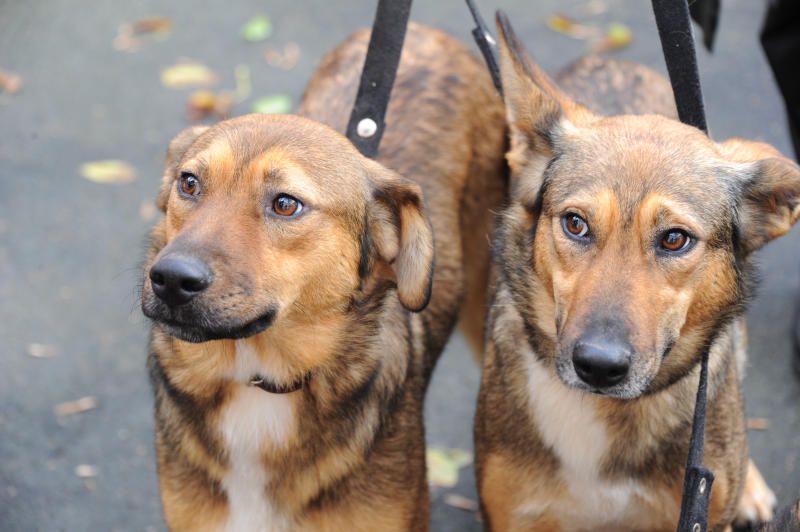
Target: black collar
[{"x": 270, "y": 386}]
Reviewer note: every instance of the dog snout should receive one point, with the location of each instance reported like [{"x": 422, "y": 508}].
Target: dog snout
[
  {"x": 601, "y": 362},
  {"x": 176, "y": 280}
]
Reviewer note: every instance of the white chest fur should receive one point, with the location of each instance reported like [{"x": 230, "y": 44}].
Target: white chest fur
[
  {"x": 252, "y": 423},
  {"x": 568, "y": 423}
]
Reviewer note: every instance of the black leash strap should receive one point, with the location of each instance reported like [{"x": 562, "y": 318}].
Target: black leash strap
[
  {"x": 367, "y": 125},
  {"x": 697, "y": 479},
  {"x": 675, "y": 31},
  {"x": 486, "y": 44},
  {"x": 677, "y": 42}
]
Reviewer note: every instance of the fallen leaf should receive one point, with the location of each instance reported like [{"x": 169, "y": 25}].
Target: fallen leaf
[
  {"x": 443, "y": 466},
  {"x": 188, "y": 74},
  {"x": 70, "y": 408},
  {"x": 757, "y": 423},
  {"x": 10, "y": 82},
  {"x": 161, "y": 25},
  {"x": 257, "y": 28},
  {"x": 567, "y": 26},
  {"x": 42, "y": 350},
  {"x": 285, "y": 59},
  {"x": 202, "y": 104},
  {"x": 243, "y": 87},
  {"x": 459, "y": 501},
  {"x": 275, "y": 104},
  {"x": 617, "y": 36},
  {"x": 147, "y": 210},
  {"x": 594, "y": 7},
  {"x": 86, "y": 471},
  {"x": 108, "y": 171}
]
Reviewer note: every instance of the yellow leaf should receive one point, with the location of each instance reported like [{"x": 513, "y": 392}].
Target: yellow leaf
[
  {"x": 443, "y": 466},
  {"x": 187, "y": 75},
  {"x": 108, "y": 171}
]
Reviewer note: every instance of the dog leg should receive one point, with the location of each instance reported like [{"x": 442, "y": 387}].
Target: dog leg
[{"x": 757, "y": 503}]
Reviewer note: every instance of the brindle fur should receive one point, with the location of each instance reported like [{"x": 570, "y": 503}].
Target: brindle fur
[
  {"x": 571, "y": 459},
  {"x": 354, "y": 455}
]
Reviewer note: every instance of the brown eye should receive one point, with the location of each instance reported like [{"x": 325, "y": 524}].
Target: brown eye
[
  {"x": 286, "y": 205},
  {"x": 574, "y": 225},
  {"x": 188, "y": 184},
  {"x": 675, "y": 240}
]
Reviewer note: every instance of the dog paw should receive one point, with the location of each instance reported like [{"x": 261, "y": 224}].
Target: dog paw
[{"x": 757, "y": 503}]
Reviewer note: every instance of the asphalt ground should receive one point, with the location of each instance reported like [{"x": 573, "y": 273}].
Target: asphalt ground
[{"x": 70, "y": 248}]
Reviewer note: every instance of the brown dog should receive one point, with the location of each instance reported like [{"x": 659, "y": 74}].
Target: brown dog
[
  {"x": 624, "y": 251},
  {"x": 288, "y": 355}
]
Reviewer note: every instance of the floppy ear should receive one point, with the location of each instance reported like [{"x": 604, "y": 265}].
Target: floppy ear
[
  {"x": 401, "y": 234},
  {"x": 177, "y": 147},
  {"x": 770, "y": 200},
  {"x": 535, "y": 107}
]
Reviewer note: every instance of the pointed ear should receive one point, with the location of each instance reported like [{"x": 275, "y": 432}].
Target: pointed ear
[
  {"x": 401, "y": 234},
  {"x": 770, "y": 200},
  {"x": 177, "y": 148},
  {"x": 535, "y": 107}
]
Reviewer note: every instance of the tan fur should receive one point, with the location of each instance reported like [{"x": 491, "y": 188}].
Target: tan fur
[
  {"x": 340, "y": 282},
  {"x": 613, "y": 459}
]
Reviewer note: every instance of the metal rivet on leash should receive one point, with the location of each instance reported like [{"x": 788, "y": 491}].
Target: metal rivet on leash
[
  {"x": 696, "y": 527},
  {"x": 702, "y": 486},
  {"x": 366, "y": 128}
]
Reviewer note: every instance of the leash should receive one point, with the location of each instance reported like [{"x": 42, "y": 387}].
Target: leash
[
  {"x": 367, "y": 125},
  {"x": 677, "y": 42},
  {"x": 675, "y": 33},
  {"x": 486, "y": 44}
]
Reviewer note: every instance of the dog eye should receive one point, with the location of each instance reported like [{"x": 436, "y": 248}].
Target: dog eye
[
  {"x": 286, "y": 205},
  {"x": 574, "y": 226},
  {"x": 675, "y": 240},
  {"x": 188, "y": 184}
]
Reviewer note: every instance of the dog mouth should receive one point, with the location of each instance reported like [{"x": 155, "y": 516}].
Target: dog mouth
[{"x": 192, "y": 331}]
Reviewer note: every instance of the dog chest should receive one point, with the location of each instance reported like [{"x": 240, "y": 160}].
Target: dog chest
[
  {"x": 568, "y": 423},
  {"x": 252, "y": 423}
]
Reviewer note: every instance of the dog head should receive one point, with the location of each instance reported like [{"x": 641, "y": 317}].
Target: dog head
[
  {"x": 627, "y": 237},
  {"x": 271, "y": 218}
]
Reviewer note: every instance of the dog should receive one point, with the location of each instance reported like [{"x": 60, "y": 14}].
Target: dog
[
  {"x": 300, "y": 294},
  {"x": 623, "y": 253}
]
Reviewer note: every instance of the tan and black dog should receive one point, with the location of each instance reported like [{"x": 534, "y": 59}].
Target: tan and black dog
[
  {"x": 624, "y": 252},
  {"x": 290, "y": 350}
]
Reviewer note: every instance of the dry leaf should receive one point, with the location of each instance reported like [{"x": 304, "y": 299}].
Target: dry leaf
[
  {"x": 203, "y": 104},
  {"x": 10, "y": 82},
  {"x": 757, "y": 423},
  {"x": 443, "y": 466},
  {"x": 243, "y": 87},
  {"x": 286, "y": 59},
  {"x": 161, "y": 25},
  {"x": 617, "y": 36},
  {"x": 86, "y": 471},
  {"x": 84, "y": 404},
  {"x": 459, "y": 501},
  {"x": 257, "y": 29},
  {"x": 188, "y": 74},
  {"x": 275, "y": 104},
  {"x": 42, "y": 350},
  {"x": 147, "y": 210},
  {"x": 567, "y": 26},
  {"x": 108, "y": 171}
]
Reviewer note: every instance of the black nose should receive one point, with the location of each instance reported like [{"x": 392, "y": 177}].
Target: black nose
[
  {"x": 601, "y": 363},
  {"x": 176, "y": 280}
]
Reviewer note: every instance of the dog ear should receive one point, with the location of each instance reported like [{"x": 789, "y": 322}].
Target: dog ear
[
  {"x": 401, "y": 235},
  {"x": 535, "y": 106},
  {"x": 177, "y": 148},
  {"x": 770, "y": 198}
]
